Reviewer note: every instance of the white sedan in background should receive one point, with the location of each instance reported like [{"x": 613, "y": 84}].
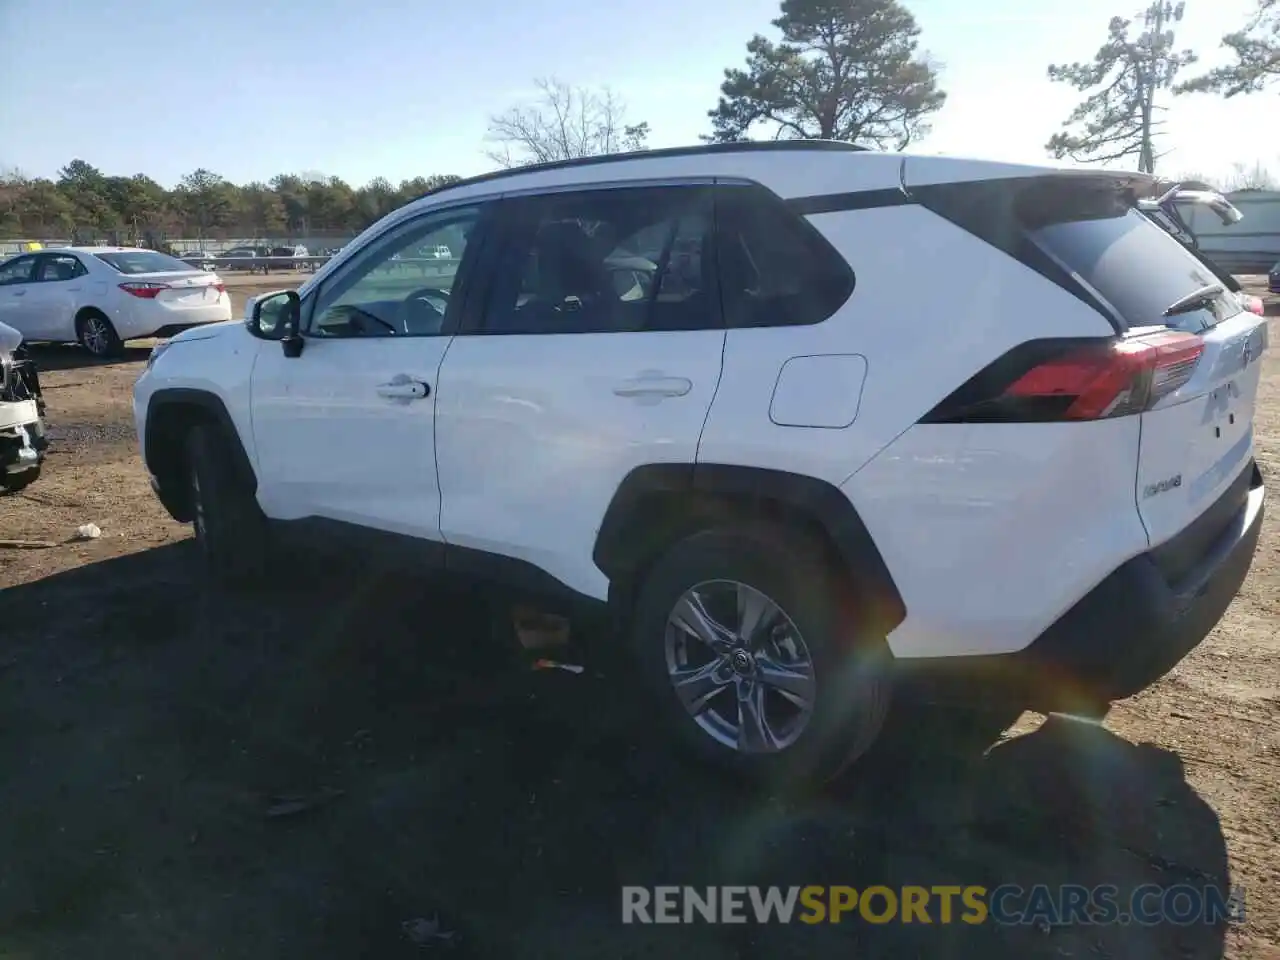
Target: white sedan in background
[{"x": 100, "y": 297}]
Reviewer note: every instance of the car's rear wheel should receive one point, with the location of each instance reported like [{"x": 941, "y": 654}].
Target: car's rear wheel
[
  {"x": 230, "y": 529},
  {"x": 748, "y": 640},
  {"x": 97, "y": 335}
]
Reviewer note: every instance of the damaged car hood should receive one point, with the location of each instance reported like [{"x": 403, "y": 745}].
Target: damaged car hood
[{"x": 9, "y": 341}]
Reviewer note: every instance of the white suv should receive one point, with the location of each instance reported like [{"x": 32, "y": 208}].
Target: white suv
[{"x": 685, "y": 385}]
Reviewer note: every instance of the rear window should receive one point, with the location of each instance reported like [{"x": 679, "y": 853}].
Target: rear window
[
  {"x": 143, "y": 261},
  {"x": 1133, "y": 264},
  {"x": 1085, "y": 234}
]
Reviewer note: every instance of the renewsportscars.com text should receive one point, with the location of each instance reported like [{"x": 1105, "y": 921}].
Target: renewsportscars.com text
[{"x": 1009, "y": 904}]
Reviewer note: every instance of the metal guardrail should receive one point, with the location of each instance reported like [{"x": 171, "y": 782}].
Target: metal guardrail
[{"x": 313, "y": 262}]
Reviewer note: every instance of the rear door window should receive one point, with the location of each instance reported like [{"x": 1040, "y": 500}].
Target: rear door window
[
  {"x": 625, "y": 260},
  {"x": 58, "y": 266}
]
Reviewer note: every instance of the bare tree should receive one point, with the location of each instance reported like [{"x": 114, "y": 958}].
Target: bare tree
[
  {"x": 562, "y": 123},
  {"x": 1195, "y": 180},
  {"x": 1256, "y": 177}
]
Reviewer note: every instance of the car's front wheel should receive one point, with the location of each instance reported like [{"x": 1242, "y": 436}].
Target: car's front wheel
[
  {"x": 230, "y": 529},
  {"x": 748, "y": 639}
]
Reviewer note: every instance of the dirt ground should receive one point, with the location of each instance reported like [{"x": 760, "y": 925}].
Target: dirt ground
[{"x": 151, "y": 730}]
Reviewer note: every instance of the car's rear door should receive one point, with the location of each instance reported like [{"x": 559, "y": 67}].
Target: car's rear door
[{"x": 567, "y": 375}]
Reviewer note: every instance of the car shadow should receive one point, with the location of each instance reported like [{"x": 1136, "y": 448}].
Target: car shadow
[
  {"x": 53, "y": 356},
  {"x": 304, "y": 769}
]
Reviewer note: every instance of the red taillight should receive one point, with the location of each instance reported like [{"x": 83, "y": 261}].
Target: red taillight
[
  {"x": 1255, "y": 305},
  {"x": 1054, "y": 381},
  {"x": 220, "y": 287},
  {"x": 144, "y": 290},
  {"x": 1124, "y": 377}
]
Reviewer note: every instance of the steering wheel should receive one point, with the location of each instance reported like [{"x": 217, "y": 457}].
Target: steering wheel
[
  {"x": 356, "y": 318},
  {"x": 423, "y": 310}
]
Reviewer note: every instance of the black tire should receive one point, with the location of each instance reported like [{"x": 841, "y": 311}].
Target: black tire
[
  {"x": 13, "y": 482},
  {"x": 230, "y": 529},
  {"x": 851, "y": 686},
  {"x": 98, "y": 335}
]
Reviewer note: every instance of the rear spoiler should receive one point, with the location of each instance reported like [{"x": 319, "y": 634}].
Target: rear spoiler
[{"x": 924, "y": 171}]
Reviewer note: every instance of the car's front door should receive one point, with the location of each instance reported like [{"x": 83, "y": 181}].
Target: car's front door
[
  {"x": 54, "y": 298},
  {"x": 598, "y": 351},
  {"x": 15, "y": 285},
  {"x": 345, "y": 431}
]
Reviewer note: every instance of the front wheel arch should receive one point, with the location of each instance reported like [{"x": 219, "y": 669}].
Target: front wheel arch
[{"x": 171, "y": 415}]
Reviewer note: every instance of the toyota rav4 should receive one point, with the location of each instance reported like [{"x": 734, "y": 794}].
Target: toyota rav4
[{"x": 685, "y": 385}]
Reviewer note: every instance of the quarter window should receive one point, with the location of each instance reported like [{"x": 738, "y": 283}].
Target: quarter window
[
  {"x": 605, "y": 261},
  {"x": 775, "y": 269},
  {"x": 400, "y": 285}
]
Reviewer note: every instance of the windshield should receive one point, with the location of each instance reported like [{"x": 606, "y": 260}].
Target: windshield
[{"x": 143, "y": 261}]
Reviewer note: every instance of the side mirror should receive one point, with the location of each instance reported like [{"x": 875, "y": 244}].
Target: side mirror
[{"x": 276, "y": 316}]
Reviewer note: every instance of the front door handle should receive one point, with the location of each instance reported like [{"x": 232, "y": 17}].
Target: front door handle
[
  {"x": 404, "y": 389},
  {"x": 653, "y": 386},
  {"x": 19, "y": 293}
]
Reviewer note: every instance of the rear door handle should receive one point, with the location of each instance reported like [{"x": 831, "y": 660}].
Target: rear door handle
[
  {"x": 653, "y": 386},
  {"x": 19, "y": 293},
  {"x": 405, "y": 389}
]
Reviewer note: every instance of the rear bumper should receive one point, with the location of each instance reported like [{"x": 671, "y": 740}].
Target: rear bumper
[
  {"x": 155, "y": 320},
  {"x": 1124, "y": 635}
]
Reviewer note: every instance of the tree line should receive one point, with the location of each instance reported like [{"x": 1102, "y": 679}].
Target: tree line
[
  {"x": 86, "y": 205},
  {"x": 834, "y": 69}
]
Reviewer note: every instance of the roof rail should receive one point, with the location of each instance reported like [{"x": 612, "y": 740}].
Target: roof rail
[{"x": 737, "y": 146}]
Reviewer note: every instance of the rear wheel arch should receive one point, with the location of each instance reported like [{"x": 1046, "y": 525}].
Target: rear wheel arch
[
  {"x": 659, "y": 504},
  {"x": 171, "y": 415}
]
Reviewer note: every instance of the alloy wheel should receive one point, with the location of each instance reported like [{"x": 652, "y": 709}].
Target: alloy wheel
[
  {"x": 740, "y": 666},
  {"x": 96, "y": 336}
]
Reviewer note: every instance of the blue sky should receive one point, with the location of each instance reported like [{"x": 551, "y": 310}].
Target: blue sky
[{"x": 251, "y": 88}]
